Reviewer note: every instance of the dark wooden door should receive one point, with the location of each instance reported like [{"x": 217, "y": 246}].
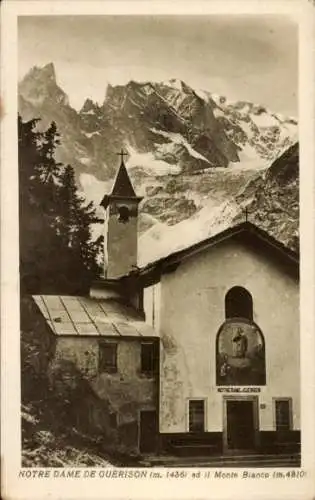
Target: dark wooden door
[
  {"x": 148, "y": 431},
  {"x": 283, "y": 420},
  {"x": 240, "y": 425}
]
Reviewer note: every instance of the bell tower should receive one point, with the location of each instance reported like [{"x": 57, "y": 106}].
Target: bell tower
[{"x": 121, "y": 225}]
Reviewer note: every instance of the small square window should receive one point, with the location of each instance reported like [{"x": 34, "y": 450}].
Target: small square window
[
  {"x": 149, "y": 358},
  {"x": 108, "y": 357}
]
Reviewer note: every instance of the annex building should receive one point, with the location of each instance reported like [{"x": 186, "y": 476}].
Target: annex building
[{"x": 194, "y": 354}]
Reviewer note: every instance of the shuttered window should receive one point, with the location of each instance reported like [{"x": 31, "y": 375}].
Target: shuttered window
[{"x": 196, "y": 415}]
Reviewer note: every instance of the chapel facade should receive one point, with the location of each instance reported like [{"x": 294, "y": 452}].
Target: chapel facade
[
  {"x": 194, "y": 354},
  {"x": 228, "y": 323}
]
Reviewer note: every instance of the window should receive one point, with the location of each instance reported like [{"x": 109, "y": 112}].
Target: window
[
  {"x": 149, "y": 358},
  {"x": 238, "y": 303},
  {"x": 196, "y": 415},
  {"x": 283, "y": 414},
  {"x": 108, "y": 357}
]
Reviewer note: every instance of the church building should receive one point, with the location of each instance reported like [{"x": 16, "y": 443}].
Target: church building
[{"x": 196, "y": 353}]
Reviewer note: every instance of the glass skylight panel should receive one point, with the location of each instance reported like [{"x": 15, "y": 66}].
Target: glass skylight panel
[
  {"x": 40, "y": 303},
  {"x": 52, "y": 301},
  {"x": 72, "y": 304},
  {"x": 86, "y": 329},
  {"x": 79, "y": 317},
  {"x": 65, "y": 329},
  {"x": 106, "y": 329},
  {"x": 126, "y": 329}
]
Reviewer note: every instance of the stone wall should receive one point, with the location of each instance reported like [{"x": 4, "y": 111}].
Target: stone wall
[
  {"x": 110, "y": 402},
  {"x": 37, "y": 345}
]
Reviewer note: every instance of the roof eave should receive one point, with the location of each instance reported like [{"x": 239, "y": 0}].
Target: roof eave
[
  {"x": 152, "y": 272},
  {"x": 114, "y": 197}
]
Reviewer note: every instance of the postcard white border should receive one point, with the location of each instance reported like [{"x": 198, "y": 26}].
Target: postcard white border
[{"x": 12, "y": 486}]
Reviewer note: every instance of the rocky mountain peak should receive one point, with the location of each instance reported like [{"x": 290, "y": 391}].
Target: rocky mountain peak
[
  {"x": 176, "y": 83},
  {"x": 190, "y": 151},
  {"x": 40, "y": 85},
  {"x": 49, "y": 71},
  {"x": 43, "y": 74},
  {"x": 89, "y": 105},
  {"x": 286, "y": 167}
]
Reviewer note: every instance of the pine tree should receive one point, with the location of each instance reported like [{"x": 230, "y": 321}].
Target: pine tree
[
  {"x": 57, "y": 253},
  {"x": 76, "y": 218},
  {"x": 34, "y": 223}
]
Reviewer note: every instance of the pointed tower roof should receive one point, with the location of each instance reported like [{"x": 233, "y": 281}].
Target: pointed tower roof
[{"x": 122, "y": 187}]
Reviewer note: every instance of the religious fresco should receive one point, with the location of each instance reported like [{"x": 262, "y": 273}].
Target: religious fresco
[{"x": 240, "y": 355}]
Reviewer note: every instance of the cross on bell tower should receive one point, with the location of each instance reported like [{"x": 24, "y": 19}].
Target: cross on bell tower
[
  {"x": 247, "y": 212},
  {"x": 122, "y": 154},
  {"x": 121, "y": 224}
]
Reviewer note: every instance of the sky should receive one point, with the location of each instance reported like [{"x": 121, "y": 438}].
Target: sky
[{"x": 242, "y": 57}]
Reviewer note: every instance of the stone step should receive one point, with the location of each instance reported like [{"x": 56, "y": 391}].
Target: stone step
[{"x": 226, "y": 461}]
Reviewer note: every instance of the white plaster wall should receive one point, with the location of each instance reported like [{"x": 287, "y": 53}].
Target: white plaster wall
[{"x": 191, "y": 312}]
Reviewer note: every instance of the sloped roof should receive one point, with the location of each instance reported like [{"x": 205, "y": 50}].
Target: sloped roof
[
  {"x": 246, "y": 232},
  {"x": 122, "y": 185},
  {"x": 83, "y": 316}
]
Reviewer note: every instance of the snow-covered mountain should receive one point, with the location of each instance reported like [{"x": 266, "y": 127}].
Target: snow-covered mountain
[
  {"x": 191, "y": 152},
  {"x": 271, "y": 198}
]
